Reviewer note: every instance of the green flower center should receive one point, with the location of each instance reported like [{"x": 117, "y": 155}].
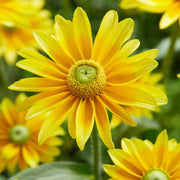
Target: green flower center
[
  {"x": 86, "y": 79},
  {"x": 155, "y": 174},
  {"x": 85, "y": 74},
  {"x": 19, "y": 134}
]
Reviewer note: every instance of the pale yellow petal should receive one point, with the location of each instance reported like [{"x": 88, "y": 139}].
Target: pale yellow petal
[
  {"x": 44, "y": 69},
  {"x": 9, "y": 151},
  {"x": 72, "y": 119},
  {"x": 102, "y": 122},
  {"x": 82, "y": 32},
  {"x": 109, "y": 21},
  {"x": 129, "y": 71},
  {"x": 170, "y": 16},
  {"x": 118, "y": 173},
  {"x": 46, "y": 104},
  {"x": 64, "y": 33},
  {"x": 55, "y": 119},
  {"x": 36, "y": 84},
  {"x": 115, "y": 121},
  {"x": 117, "y": 110},
  {"x": 30, "y": 155},
  {"x": 131, "y": 95},
  {"x": 128, "y": 4},
  {"x": 53, "y": 49},
  {"x": 125, "y": 161},
  {"x": 114, "y": 40},
  {"x": 84, "y": 121}
]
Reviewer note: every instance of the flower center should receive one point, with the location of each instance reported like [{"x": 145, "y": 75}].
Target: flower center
[
  {"x": 19, "y": 134},
  {"x": 86, "y": 79},
  {"x": 155, "y": 174}
]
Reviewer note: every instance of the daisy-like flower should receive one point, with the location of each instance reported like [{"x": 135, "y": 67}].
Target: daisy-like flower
[
  {"x": 84, "y": 79},
  {"x": 17, "y": 20},
  {"x": 142, "y": 160},
  {"x": 170, "y": 8},
  {"x": 147, "y": 79},
  {"x": 19, "y": 138}
]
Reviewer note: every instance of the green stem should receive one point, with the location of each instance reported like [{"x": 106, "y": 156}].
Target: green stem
[
  {"x": 168, "y": 60},
  {"x": 96, "y": 154},
  {"x": 4, "y": 77}
]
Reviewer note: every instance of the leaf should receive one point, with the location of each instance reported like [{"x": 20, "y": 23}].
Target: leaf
[{"x": 56, "y": 171}]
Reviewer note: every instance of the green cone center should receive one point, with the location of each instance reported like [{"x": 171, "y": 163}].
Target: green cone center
[
  {"x": 86, "y": 79},
  {"x": 19, "y": 134},
  {"x": 85, "y": 74},
  {"x": 155, "y": 174}
]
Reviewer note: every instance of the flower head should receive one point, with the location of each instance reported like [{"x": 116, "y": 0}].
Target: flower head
[
  {"x": 170, "y": 8},
  {"x": 17, "y": 20},
  {"x": 18, "y": 138},
  {"x": 84, "y": 80},
  {"x": 142, "y": 160},
  {"x": 147, "y": 79},
  {"x": 178, "y": 75}
]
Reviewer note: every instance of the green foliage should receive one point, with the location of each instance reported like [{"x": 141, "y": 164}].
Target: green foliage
[{"x": 56, "y": 171}]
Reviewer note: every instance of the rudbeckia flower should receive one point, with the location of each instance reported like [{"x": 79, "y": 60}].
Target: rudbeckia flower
[
  {"x": 83, "y": 80},
  {"x": 147, "y": 79},
  {"x": 142, "y": 160},
  {"x": 169, "y": 8},
  {"x": 19, "y": 138},
  {"x": 17, "y": 20}
]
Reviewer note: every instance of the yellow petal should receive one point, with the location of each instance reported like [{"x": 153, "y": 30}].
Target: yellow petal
[
  {"x": 6, "y": 106},
  {"x": 53, "y": 49},
  {"x": 11, "y": 165},
  {"x": 55, "y": 141},
  {"x": 128, "y": 4},
  {"x": 131, "y": 95},
  {"x": 170, "y": 16},
  {"x": 32, "y": 54},
  {"x": 72, "y": 120},
  {"x": 30, "y": 155},
  {"x": 36, "y": 84},
  {"x": 10, "y": 56},
  {"x": 21, "y": 163},
  {"x": 115, "y": 121},
  {"x": 117, "y": 173},
  {"x": 102, "y": 122},
  {"x": 82, "y": 32},
  {"x": 160, "y": 149},
  {"x": 46, "y": 104},
  {"x": 84, "y": 122},
  {"x": 157, "y": 93},
  {"x": 2, "y": 165},
  {"x": 114, "y": 40},
  {"x": 129, "y": 71},
  {"x": 118, "y": 111},
  {"x": 64, "y": 33},
  {"x": 9, "y": 151},
  {"x": 125, "y": 161},
  {"x": 28, "y": 102},
  {"x": 44, "y": 69},
  {"x": 109, "y": 21},
  {"x": 55, "y": 119}
]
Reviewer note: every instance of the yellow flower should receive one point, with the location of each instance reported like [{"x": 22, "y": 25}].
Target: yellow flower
[
  {"x": 142, "y": 160},
  {"x": 18, "y": 138},
  {"x": 170, "y": 8},
  {"x": 17, "y": 20},
  {"x": 178, "y": 75},
  {"x": 84, "y": 79},
  {"x": 147, "y": 79}
]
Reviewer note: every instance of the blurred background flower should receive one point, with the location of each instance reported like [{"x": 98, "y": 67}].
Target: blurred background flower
[
  {"x": 17, "y": 20},
  {"x": 19, "y": 138},
  {"x": 170, "y": 8}
]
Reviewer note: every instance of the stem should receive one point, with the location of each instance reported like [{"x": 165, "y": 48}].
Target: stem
[
  {"x": 4, "y": 77},
  {"x": 96, "y": 154},
  {"x": 168, "y": 60}
]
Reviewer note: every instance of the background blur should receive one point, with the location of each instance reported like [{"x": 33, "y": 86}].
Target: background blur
[{"x": 148, "y": 32}]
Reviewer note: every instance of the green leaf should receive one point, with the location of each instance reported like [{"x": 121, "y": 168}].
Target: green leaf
[{"x": 56, "y": 171}]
